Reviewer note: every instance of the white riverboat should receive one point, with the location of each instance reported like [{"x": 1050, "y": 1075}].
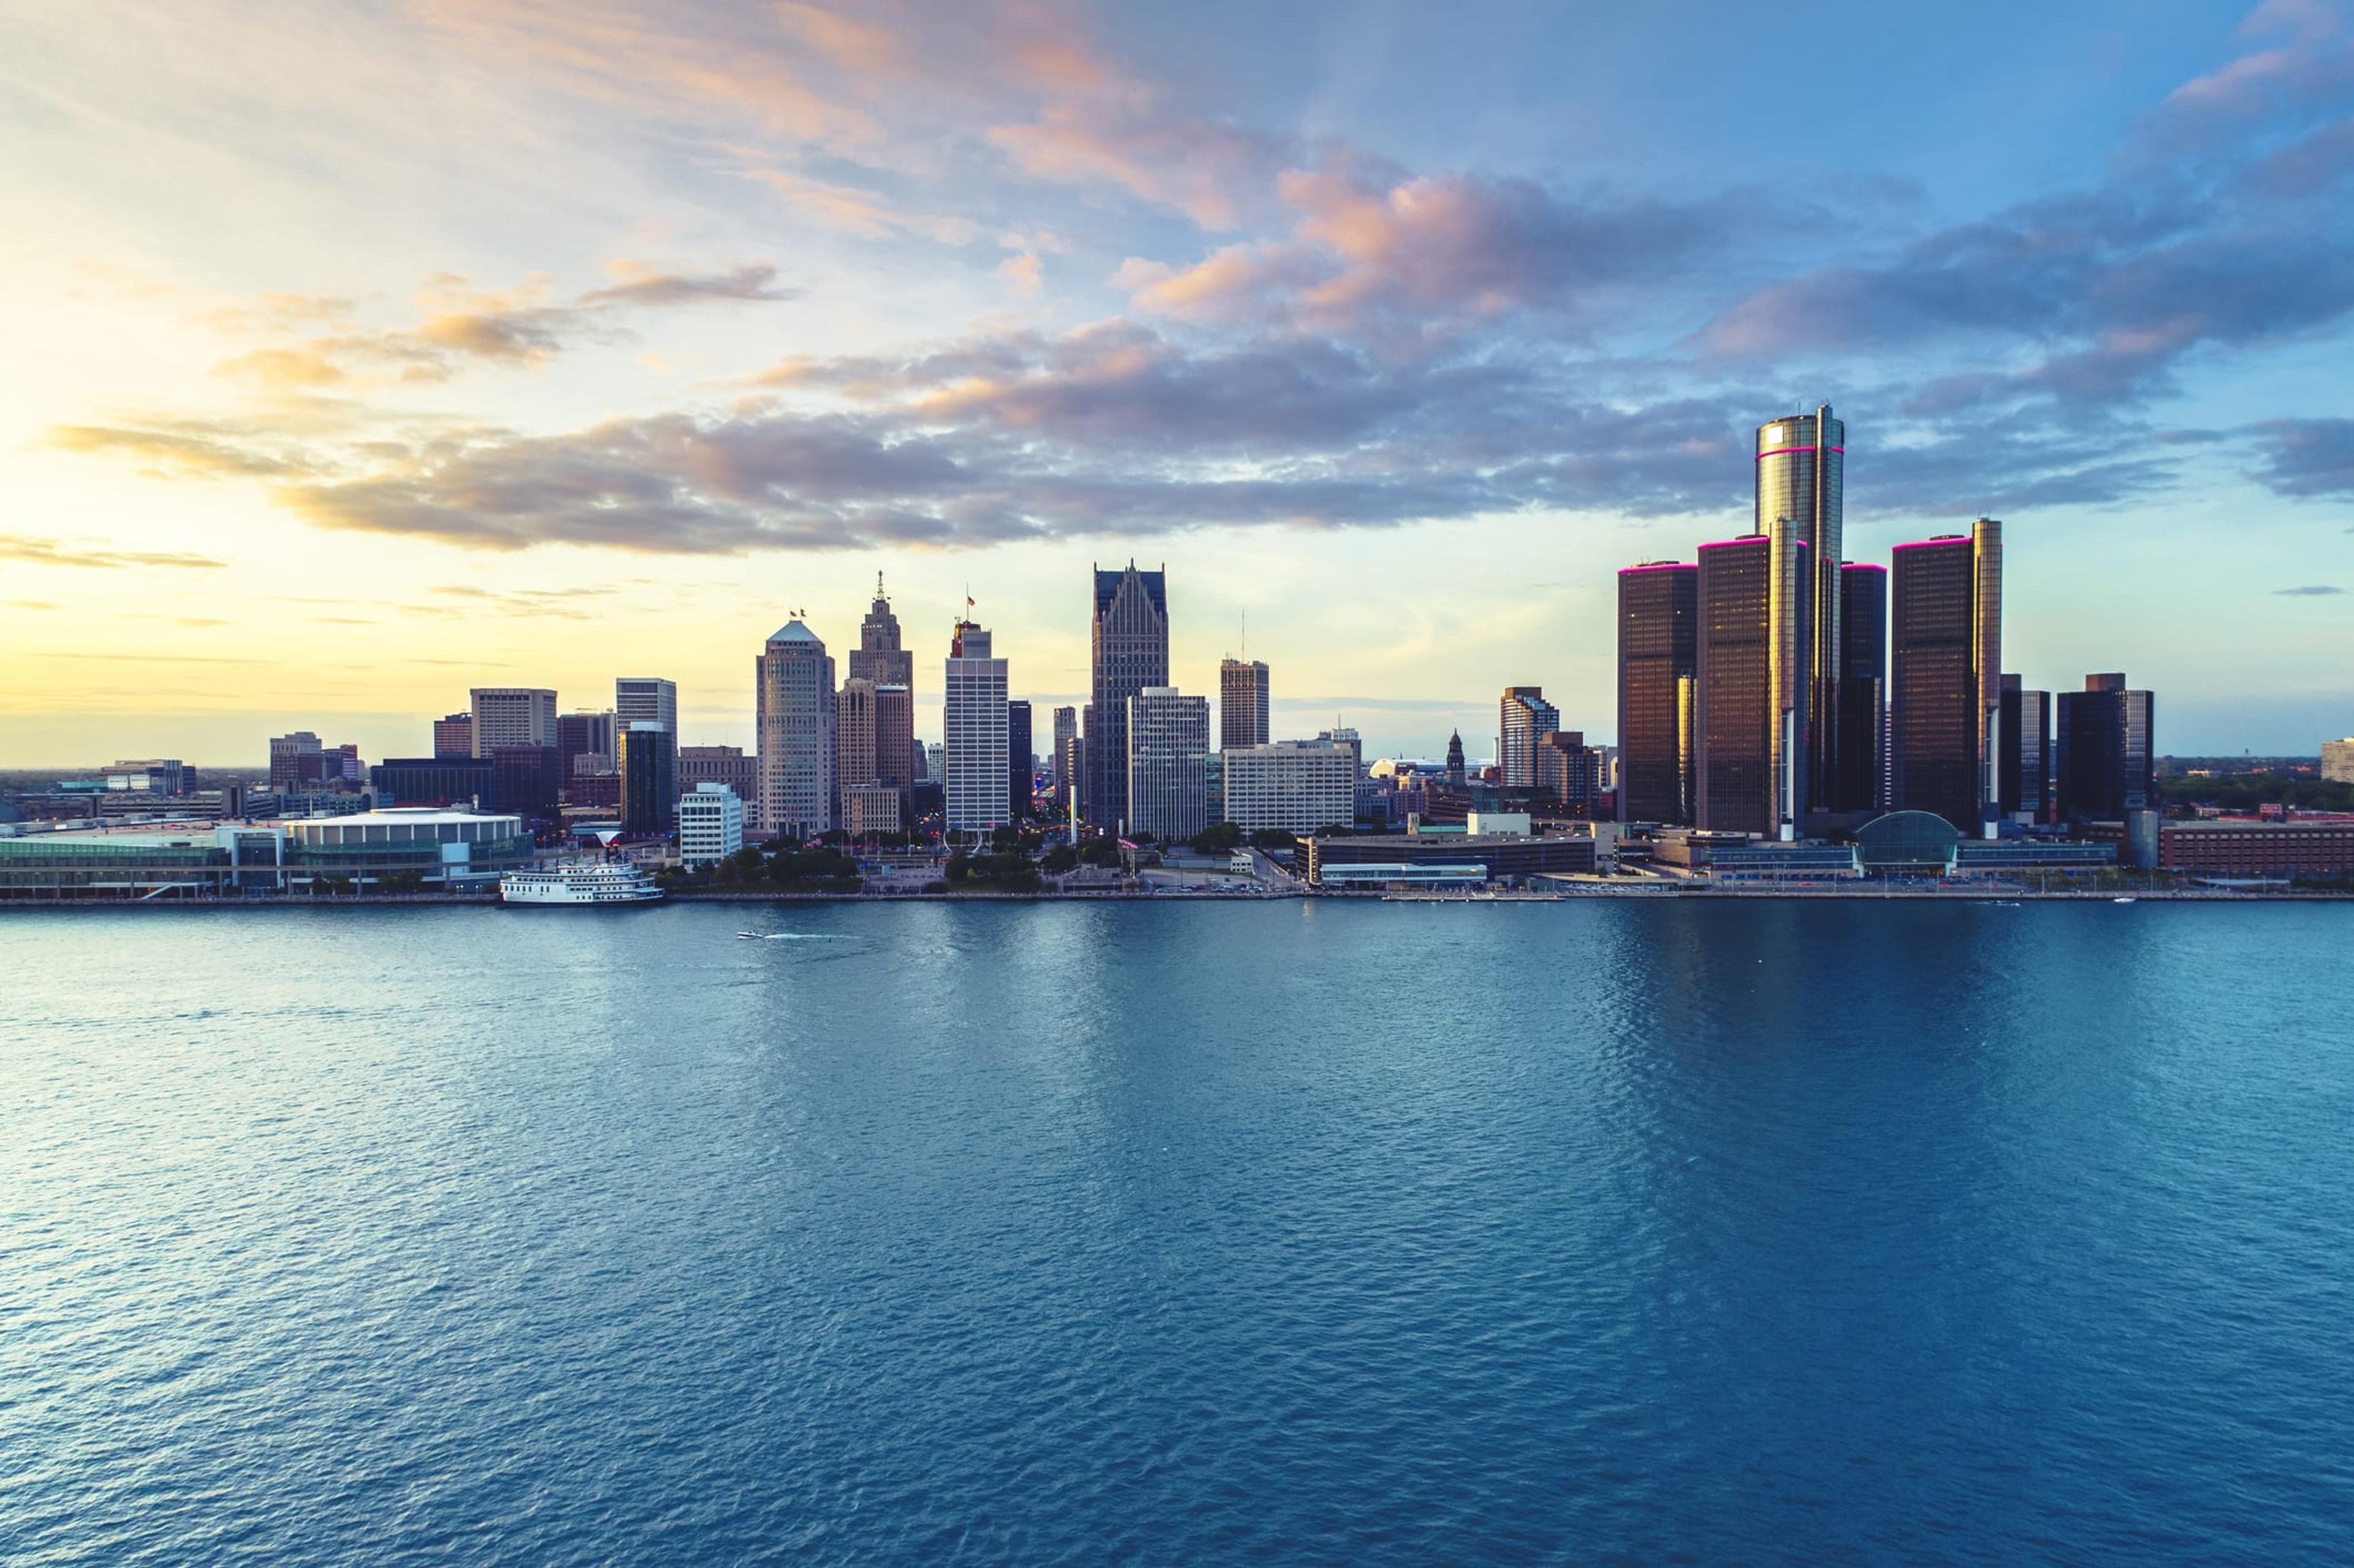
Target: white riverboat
[{"x": 588, "y": 882}]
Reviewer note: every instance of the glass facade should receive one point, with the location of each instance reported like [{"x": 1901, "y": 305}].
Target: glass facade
[
  {"x": 1906, "y": 843},
  {"x": 649, "y": 779},
  {"x": 1801, "y": 483},
  {"x": 1130, "y": 652},
  {"x": 2022, "y": 775},
  {"x": 1659, "y": 630},
  {"x": 1945, "y": 610},
  {"x": 1733, "y": 721},
  {"x": 1521, "y": 716},
  {"x": 1862, "y": 688}
]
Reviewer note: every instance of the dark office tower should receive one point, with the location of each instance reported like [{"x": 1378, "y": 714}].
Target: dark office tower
[
  {"x": 588, "y": 734},
  {"x": 1944, "y": 679},
  {"x": 1455, "y": 771},
  {"x": 1020, "y": 762},
  {"x": 1659, "y": 625},
  {"x": 1733, "y": 705},
  {"x": 2023, "y": 765},
  {"x": 649, "y": 779},
  {"x": 1131, "y": 640},
  {"x": 526, "y": 780},
  {"x": 1242, "y": 704},
  {"x": 1801, "y": 469},
  {"x": 879, "y": 658},
  {"x": 2103, "y": 762},
  {"x": 1862, "y": 686}
]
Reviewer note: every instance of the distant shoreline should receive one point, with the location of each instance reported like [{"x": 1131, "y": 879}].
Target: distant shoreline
[{"x": 1868, "y": 895}]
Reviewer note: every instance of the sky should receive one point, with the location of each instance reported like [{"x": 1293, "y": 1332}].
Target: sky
[{"x": 361, "y": 354}]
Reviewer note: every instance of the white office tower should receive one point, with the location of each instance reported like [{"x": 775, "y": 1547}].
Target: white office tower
[
  {"x": 1294, "y": 786},
  {"x": 710, "y": 824},
  {"x": 794, "y": 712},
  {"x": 512, "y": 715},
  {"x": 1169, "y": 763},
  {"x": 973, "y": 742},
  {"x": 646, "y": 699}
]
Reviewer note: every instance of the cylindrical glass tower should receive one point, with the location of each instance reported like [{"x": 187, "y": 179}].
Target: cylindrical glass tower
[{"x": 1801, "y": 465}]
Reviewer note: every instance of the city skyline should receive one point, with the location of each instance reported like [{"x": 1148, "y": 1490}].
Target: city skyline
[{"x": 316, "y": 435}]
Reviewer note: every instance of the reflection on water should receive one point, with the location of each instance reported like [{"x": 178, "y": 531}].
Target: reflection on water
[{"x": 1268, "y": 1234}]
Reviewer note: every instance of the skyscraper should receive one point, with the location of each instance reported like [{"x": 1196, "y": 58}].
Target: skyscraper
[
  {"x": 1242, "y": 703},
  {"x": 972, "y": 734},
  {"x": 1521, "y": 716},
  {"x": 646, "y": 699},
  {"x": 512, "y": 715},
  {"x": 895, "y": 741},
  {"x": 649, "y": 778},
  {"x": 794, "y": 713},
  {"x": 1801, "y": 480},
  {"x": 1130, "y": 652},
  {"x": 1862, "y": 686},
  {"x": 1748, "y": 720},
  {"x": 590, "y": 734},
  {"x": 1067, "y": 729},
  {"x": 854, "y": 749},
  {"x": 1944, "y": 675},
  {"x": 454, "y": 735},
  {"x": 1167, "y": 766},
  {"x": 1020, "y": 761},
  {"x": 880, "y": 658},
  {"x": 2023, "y": 766},
  {"x": 2103, "y": 761},
  {"x": 1659, "y": 624},
  {"x": 1456, "y": 773}
]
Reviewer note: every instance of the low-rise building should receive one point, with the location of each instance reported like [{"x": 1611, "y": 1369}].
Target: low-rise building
[
  {"x": 360, "y": 851},
  {"x": 2237, "y": 847},
  {"x": 1503, "y": 858},
  {"x": 1290, "y": 786},
  {"x": 710, "y": 824},
  {"x": 870, "y": 808}
]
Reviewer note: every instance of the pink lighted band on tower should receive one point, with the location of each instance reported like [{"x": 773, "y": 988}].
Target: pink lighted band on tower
[{"x": 1777, "y": 451}]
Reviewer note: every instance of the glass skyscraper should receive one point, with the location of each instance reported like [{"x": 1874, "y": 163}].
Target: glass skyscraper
[
  {"x": 2023, "y": 766},
  {"x": 1945, "y": 659},
  {"x": 1863, "y": 687},
  {"x": 1130, "y": 648},
  {"x": 1523, "y": 715},
  {"x": 1659, "y": 625},
  {"x": 1742, "y": 756},
  {"x": 2102, "y": 765},
  {"x": 1801, "y": 480}
]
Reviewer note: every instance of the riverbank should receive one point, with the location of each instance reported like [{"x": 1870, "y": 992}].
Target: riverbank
[{"x": 1650, "y": 890}]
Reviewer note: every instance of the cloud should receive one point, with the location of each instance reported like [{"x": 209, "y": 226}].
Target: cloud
[
  {"x": 2308, "y": 459},
  {"x": 1433, "y": 252},
  {"x": 1211, "y": 172},
  {"x": 460, "y": 324},
  {"x": 58, "y": 553},
  {"x": 2312, "y": 590},
  {"x": 178, "y": 449},
  {"x": 644, "y": 283},
  {"x": 861, "y": 212}
]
